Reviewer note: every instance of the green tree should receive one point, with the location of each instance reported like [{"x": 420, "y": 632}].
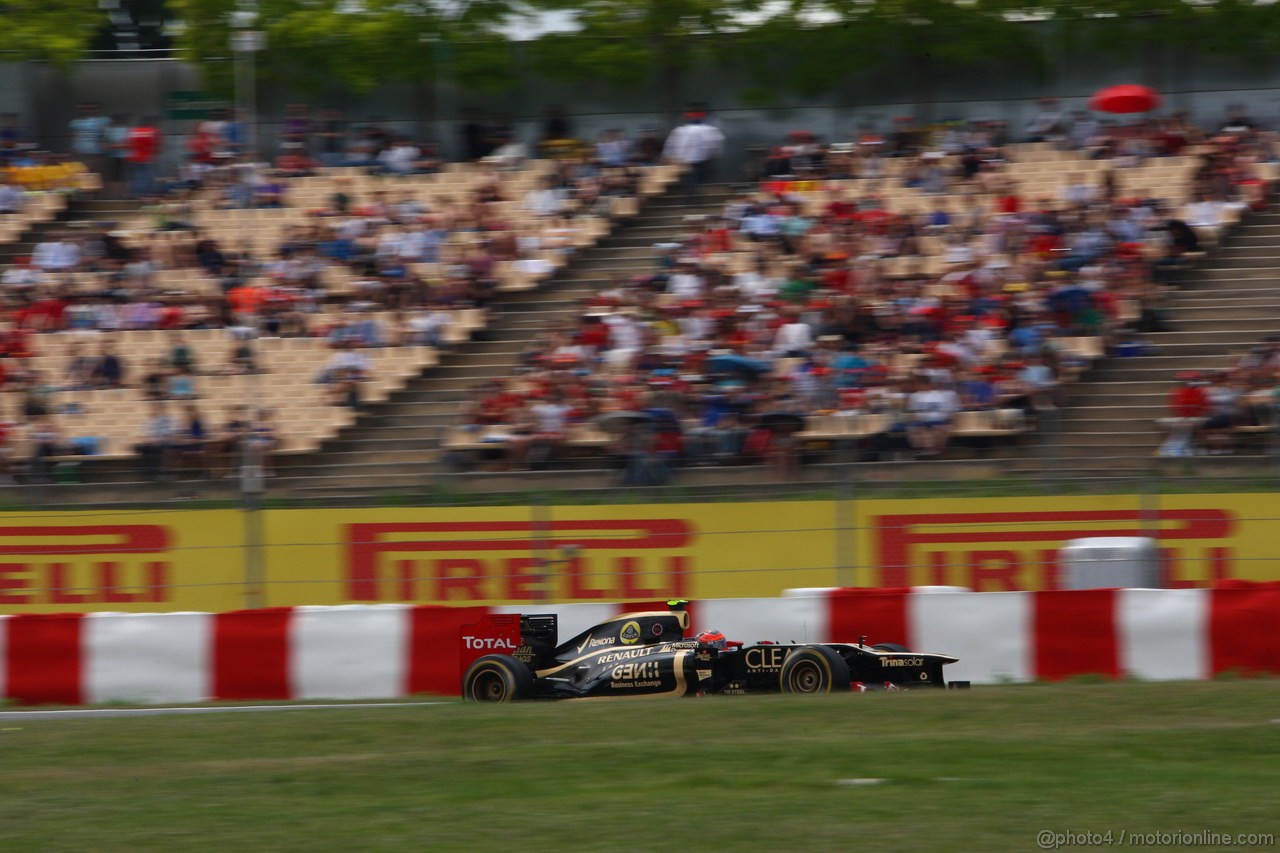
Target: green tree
[
  {"x": 56, "y": 30},
  {"x": 638, "y": 42},
  {"x": 353, "y": 45}
]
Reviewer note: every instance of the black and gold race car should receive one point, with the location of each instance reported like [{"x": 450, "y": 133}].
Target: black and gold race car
[{"x": 647, "y": 654}]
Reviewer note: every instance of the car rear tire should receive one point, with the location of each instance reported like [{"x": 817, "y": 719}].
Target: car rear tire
[
  {"x": 890, "y": 647},
  {"x": 497, "y": 678},
  {"x": 814, "y": 669}
]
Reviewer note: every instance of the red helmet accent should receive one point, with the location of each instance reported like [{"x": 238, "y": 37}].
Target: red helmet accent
[{"x": 712, "y": 638}]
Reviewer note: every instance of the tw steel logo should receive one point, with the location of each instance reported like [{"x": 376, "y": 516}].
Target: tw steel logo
[
  {"x": 489, "y": 560},
  {"x": 1019, "y": 550},
  {"x": 84, "y": 565}
]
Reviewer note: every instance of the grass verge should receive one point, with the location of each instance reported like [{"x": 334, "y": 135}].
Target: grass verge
[{"x": 980, "y": 770}]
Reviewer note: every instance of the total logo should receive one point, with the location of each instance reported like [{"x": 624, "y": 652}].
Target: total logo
[{"x": 487, "y": 643}]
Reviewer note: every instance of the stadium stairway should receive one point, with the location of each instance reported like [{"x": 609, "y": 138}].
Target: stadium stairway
[
  {"x": 82, "y": 209},
  {"x": 396, "y": 444},
  {"x": 1222, "y": 307}
]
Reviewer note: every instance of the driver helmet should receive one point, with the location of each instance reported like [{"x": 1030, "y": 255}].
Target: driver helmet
[{"x": 711, "y": 638}]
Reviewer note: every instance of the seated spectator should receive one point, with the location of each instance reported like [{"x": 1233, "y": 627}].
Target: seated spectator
[
  {"x": 227, "y": 445},
  {"x": 12, "y": 196},
  {"x": 1224, "y": 396},
  {"x": 182, "y": 357},
  {"x": 23, "y": 277},
  {"x": 1188, "y": 408},
  {"x": 59, "y": 254},
  {"x": 158, "y": 445},
  {"x": 263, "y": 439},
  {"x": 427, "y": 327},
  {"x": 155, "y": 384},
  {"x": 930, "y": 410},
  {"x": 46, "y": 441},
  {"x": 400, "y": 158},
  {"x": 78, "y": 374},
  {"x": 347, "y": 368},
  {"x": 1041, "y": 384},
  {"x": 545, "y": 201},
  {"x": 240, "y": 357},
  {"x": 109, "y": 370},
  {"x": 192, "y": 442}
]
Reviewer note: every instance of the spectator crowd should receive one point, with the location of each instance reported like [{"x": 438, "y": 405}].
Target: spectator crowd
[
  {"x": 826, "y": 292},
  {"x": 897, "y": 281}
]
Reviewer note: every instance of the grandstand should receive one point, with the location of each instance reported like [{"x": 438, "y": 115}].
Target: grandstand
[
  {"x": 406, "y": 431},
  {"x": 109, "y": 424}
]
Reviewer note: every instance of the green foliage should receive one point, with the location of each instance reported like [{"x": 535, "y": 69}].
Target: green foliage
[
  {"x": 355, "y": 46},
  {"x": 55, "y": 30}
]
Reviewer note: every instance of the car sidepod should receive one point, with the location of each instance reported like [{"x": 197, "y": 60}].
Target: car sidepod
[{"x": 658, "y": 669}]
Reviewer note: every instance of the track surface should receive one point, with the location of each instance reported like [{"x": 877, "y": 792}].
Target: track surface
[{"x": 16, "y": 716}]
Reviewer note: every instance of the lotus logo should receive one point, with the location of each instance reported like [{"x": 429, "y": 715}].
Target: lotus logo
[{"x": 630, "y": 633}]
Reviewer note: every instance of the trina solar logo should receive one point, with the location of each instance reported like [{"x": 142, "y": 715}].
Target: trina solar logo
[
  {"x": 100, "y": 564},
  {"x": 492, "y": 560},
  {"x": 1019, "y": 550}
]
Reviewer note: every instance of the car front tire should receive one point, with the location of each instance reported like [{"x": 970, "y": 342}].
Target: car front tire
[{"x": 814, "y": 669}]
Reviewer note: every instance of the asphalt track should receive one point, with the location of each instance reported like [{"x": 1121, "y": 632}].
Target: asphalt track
[{"x": 99, "y": 713}]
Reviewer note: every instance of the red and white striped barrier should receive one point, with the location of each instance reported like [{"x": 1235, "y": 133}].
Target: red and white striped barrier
[{"x": 395, "y": 650}]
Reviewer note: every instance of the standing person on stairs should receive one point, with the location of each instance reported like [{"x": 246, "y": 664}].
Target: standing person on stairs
[{"x": 695, "y": 144}]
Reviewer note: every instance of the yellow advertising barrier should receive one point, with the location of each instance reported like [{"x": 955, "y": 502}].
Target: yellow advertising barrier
[
  {"x": 124, "y": 561},
  {"x": 479, "y": 555},
  {"x": 199, "y": 560}
]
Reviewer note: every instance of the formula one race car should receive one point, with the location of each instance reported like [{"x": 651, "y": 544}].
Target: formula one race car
[{"x": 647, "y": 654}]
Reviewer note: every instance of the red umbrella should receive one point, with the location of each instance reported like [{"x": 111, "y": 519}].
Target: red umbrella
[{"x": 1127, "y": 98}]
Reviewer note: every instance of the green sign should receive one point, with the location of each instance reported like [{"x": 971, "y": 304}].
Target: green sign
[{"x": 179, "y": 106}]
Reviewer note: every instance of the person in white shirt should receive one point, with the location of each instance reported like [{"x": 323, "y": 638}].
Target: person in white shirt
[
  {"x": 427, "y": 327},
  {"x": 1204, "y": 215},
  {"x": 695, "y": 144},
  {"x": 930, "y": 410},
  {"x": 545, "y": 201},
  {"x": 794, "y": 339},
  {"x": 57, "y": 255},
  {"x": 685, "y": 283},
  {"x": 22, "y": 278},
  {"x": 400, "y": 158},
  {"x": 1046, "y": 122},
  {"x": 1079, "y": 193},
  {"x": 11, "y": 197}
]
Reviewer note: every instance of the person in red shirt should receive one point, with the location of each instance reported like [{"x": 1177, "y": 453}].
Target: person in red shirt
[
  {"x": 1009, "y": 202},
  {"x": 1188, "y": 407},
  {"x": 142, "y": 148}
]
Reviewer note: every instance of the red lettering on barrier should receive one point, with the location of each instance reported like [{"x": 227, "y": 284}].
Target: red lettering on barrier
[
  {"x": 1003, "y": 573},
  {"x": 577, "y": 584},
  {"x": 1048, "y": 563},
  {"x": 14, "y": 589},
  {"x": 78, "y": 583},
  {"x": 940, "y": 568},
  {"x": 678, "y": 572},
  {"x": 898, "y": 537},
  {"x": 60, "y": 586},
  {"x": 124, "y": 539},
  {"x": 469, "y": 584},
  {"x": 522, "y": 584},
  {"x": 367, "y": 544}
]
